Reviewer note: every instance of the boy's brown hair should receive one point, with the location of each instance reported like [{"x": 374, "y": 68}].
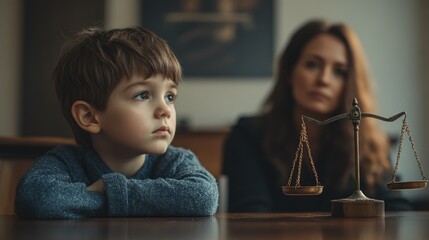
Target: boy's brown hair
[{"x": 92, "y": 64}]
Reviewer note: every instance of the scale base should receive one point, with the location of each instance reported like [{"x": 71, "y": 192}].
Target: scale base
[{"x": 358, "y": 206}]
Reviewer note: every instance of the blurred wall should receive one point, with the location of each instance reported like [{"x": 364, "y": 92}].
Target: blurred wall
[
  {"x": 10, "y": 62},
  {"x": 425, "y": 79},
  {"x": 390, "y": 31},
  {"x": 47, "y": 23},
  {"x": 394, "y": 34}
]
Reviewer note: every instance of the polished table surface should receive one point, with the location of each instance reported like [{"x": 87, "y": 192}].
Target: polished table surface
[{"x": 395, "y": 225}]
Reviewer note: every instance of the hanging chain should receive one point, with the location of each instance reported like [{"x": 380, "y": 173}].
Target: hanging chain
[
  {"x": 405, "y": 128},
  {"x": 298, "y": 151},
  {"x": 312, "y": 164},
  {"x": 398, "y": 155},
  {"x": 413, "y": 146},
  {"x": 299, "y": 155}
]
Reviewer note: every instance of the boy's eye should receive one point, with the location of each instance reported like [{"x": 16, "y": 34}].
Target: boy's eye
[
  {"x": 142, "y": 96},
  {"x": 170, "y": 98}
]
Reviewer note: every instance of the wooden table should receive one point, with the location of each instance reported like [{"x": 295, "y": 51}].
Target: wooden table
[{"x": 399, "y": 225}]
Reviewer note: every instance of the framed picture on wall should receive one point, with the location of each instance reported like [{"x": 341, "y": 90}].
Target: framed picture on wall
[{"x": 215, "y": 38}]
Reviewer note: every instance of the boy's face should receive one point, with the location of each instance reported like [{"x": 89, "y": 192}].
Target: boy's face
[{"x": 140, "y": 116}]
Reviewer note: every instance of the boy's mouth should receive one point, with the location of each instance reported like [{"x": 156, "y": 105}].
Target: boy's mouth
[{"x": 163, "y": 129}]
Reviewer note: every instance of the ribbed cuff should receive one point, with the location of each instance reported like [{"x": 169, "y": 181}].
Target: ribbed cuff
[{"x": 117, "y": 194}]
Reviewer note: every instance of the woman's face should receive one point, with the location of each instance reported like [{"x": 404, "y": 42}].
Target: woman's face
[{"x": 319, "y": 77}]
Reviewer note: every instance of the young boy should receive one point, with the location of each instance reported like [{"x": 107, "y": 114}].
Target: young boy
[{"x": 117, "y": 90}]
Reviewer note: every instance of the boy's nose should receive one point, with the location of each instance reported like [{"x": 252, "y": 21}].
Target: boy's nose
[{"x": 163, "y": 111}]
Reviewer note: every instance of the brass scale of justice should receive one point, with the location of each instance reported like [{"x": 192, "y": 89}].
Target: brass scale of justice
[{"x": 357, "y": 204}]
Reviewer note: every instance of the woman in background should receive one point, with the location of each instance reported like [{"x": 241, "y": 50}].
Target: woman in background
[{"x": 320, "y": 72}]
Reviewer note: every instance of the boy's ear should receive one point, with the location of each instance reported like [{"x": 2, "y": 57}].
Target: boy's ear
[{"x": 85, "y": 116}]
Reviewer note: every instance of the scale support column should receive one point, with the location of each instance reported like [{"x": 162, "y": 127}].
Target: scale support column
[{"x": 357, "y": 205}]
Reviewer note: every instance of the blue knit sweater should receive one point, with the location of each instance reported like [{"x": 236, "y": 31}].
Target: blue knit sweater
[{"x": 171, "y": 184}]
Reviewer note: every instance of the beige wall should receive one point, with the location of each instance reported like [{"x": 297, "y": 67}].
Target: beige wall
[
  {"x": 425, "y": 64},
  {"x": 10, "y": 57},
  {"x": 121, "y": 13}
]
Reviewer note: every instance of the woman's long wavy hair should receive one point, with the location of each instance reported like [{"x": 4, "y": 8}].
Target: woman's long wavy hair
[{"x": 336, "y": 160}]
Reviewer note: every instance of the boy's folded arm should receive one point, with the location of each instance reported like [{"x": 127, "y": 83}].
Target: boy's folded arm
[
  {"x": 47, "y": 191},
  {"x": 182, "y": 188}
]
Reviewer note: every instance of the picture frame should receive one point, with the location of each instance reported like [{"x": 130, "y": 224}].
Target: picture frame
[{"x": 215, "y": 38}]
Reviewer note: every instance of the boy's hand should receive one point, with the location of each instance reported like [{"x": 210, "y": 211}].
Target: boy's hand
[{"x": 97, "y": 186}]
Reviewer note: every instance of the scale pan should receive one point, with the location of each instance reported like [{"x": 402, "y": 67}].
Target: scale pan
[
  {"x": 302, "y": 190},
  {"x": 407, "y": 185}
]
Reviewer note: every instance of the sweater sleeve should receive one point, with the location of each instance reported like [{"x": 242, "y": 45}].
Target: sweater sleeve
[
  {"x": 180, "y": 187},
  {"x": 242, "y": 163},
  {"x": 47, "y": 191}
]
